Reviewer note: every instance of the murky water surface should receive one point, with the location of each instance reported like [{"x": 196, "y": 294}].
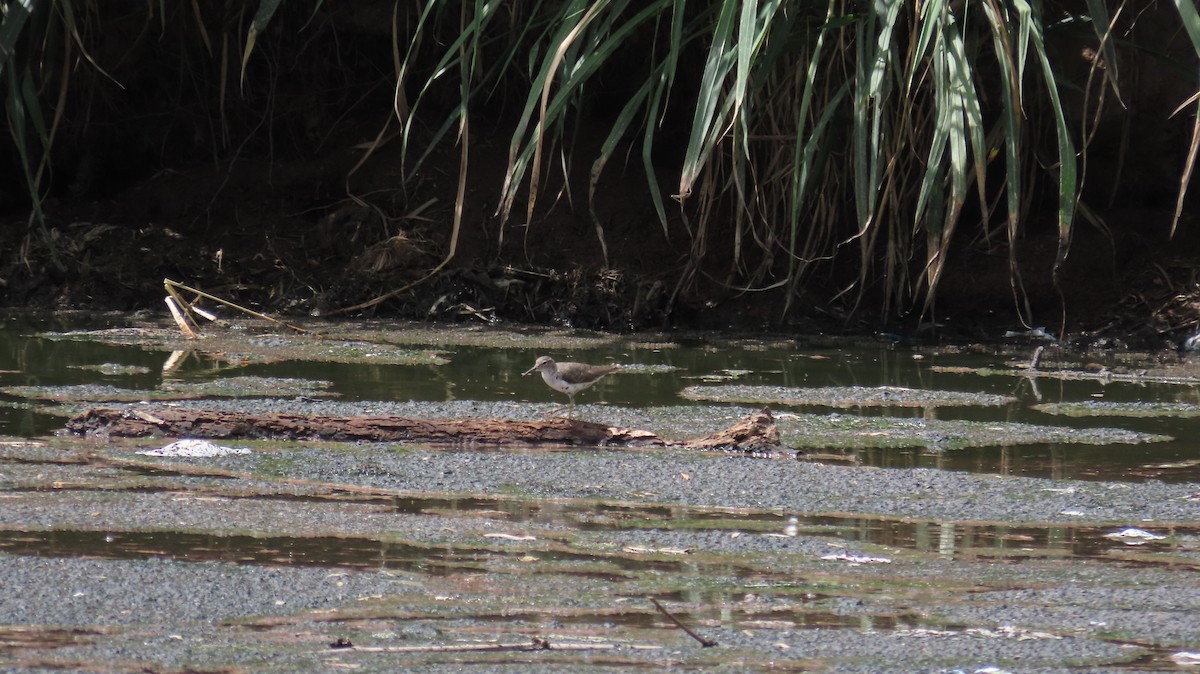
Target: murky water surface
[
  {"x": 659, "y": 368},
  {"x": 580, "y": 568}
]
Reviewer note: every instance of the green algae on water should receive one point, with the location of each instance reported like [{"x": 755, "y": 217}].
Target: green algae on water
[
  {"x": 844, "y": 396},
  {"x": 1099, "y": 408}
]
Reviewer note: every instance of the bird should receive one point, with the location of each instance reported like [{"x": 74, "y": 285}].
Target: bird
[{"x": 570, "y": 378}]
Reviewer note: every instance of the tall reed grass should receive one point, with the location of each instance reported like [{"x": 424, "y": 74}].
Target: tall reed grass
[{"x": 877, "y": 133}]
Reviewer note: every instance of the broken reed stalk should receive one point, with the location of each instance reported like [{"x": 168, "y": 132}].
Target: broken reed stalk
[
  {"x": 183, "y": 311},
  {"x": 180, "y": 317},
  {"x": 706, "y": 643}
]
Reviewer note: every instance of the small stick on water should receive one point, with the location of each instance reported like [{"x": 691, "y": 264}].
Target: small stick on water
[{"x": 707, "y": 643}]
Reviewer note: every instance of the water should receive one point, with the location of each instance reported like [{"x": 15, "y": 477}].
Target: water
[
  {"x": 85, "y": 531},
  {"x": 943, "y": 539},
  {"x": 494, "y": 374}
]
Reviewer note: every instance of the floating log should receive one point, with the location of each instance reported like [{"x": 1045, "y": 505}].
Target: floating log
[{"x": 755, "y": 433}]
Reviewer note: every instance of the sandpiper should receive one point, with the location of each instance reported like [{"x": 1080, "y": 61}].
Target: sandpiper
[{"x": 570, "y": 378}]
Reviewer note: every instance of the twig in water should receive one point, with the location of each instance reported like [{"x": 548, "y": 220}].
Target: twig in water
[{"x": 707, "y": 643}]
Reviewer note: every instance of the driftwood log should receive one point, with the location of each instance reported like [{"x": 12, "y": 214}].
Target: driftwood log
[{"x": 755, "y": 433}]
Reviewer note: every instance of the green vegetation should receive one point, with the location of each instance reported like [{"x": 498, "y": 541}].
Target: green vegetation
[
  {"x": 845, "y": 396},
  {"x": 1099, "y": 408},
  {"x": 114, "y": 369},
  {"x": 239, "y": 348},
  {"x": 850, "y": 432},
  {"x": 231, "y": 387},
  {"x": 794, "y": 135}
]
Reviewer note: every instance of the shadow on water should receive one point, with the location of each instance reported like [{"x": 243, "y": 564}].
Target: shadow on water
[
  {"x": 1151, "y": 546},
  {"x": 1173, "y": 461},
  {"x": 317, "y": 551}
]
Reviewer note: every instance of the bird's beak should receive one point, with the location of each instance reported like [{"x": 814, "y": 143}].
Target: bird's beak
[{"x": 529, "y": 371}]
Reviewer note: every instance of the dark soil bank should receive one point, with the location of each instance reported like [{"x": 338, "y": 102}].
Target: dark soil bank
[{"x": 289, "y": 246}]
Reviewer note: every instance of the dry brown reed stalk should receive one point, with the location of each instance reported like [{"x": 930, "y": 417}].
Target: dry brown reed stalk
[{"x": 184, "y": 312}]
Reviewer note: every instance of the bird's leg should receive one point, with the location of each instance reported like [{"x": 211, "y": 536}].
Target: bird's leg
[
  {"x": 555, "y": 411},
  {"x": 568, "y": 408}
]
